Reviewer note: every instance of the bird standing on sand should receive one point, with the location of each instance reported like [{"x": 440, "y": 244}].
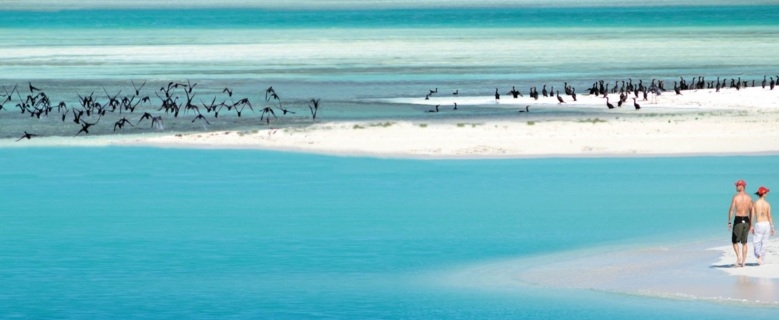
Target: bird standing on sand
[
  {"x": 635, "y": 104},
  {"x": 497, "y": 95},
  {"x": 609, "y": 105},
  {"x": 559, "y": 98}
]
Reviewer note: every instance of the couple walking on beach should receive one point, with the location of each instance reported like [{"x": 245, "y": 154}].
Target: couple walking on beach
[{"x": 746, "y": 211}]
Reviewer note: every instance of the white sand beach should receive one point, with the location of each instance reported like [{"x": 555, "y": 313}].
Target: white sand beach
[
  {"x": 674, "y": 271},
  {"x": 697, "y": 122},
  {"x": 769, "y": 269}
]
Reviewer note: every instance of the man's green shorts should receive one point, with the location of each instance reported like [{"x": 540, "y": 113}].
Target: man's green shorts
[{"x": 740, "y": 232}]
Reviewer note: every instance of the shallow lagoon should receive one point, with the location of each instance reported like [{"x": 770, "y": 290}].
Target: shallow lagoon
[{"x": 202, "y": 233}]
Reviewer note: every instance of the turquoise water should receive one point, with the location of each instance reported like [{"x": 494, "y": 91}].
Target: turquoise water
[
  {"x": 511, "y": 17},
  {"x": 158, "y": 233}
]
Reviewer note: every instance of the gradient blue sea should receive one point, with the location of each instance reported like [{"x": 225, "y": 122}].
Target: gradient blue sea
[
  {"x": 176, "y": 233},
  {"x": 91, "y": 233}
]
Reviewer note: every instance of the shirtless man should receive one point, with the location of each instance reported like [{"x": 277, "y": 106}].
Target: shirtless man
[
  {"x": 741, "y": 205},
  {"x": 764, "y": 224}
]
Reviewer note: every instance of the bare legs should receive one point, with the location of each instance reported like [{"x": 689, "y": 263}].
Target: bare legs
[{"x": 741, "y": 257}]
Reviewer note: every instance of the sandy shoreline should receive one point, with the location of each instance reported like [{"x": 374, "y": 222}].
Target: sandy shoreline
[
  {"x": 690, "y": 271},
  {"x": 699, "y": 122}
]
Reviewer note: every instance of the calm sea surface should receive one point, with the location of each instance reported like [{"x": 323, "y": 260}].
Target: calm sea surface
[
  {"x": 160, "y": 233},
  {"x": 127, "y": 232}
]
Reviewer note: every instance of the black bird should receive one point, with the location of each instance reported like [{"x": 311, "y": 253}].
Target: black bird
[
  {"x": 62, "y": 105},
  {"x": 433, "y": 91},
  {"x": 211, "y": 107},
  {"x": 456, "y": 92},
  {"x": 314, "y": 108},
  {"x": 609, "y": 105},
  {"x": 86, "y": 125},
  {"x": 636, "y": 104},
  {"x": 285, "y": 111},
  {"x": 514, "y": 92},
  {"x": 270, "y": 92},
  {"x": 10, "y": 94},
  {"x": 573, "y": 93},
  {"x": 497, "y": 95},
  {"x": 436, "y": 109},
  {"x": 527, "y": 109},
  {"x": 77, "y": 116},
  {"x": 145, "y": 115},
  {"x": 138, "y": 89},
  {"x": 120, "y": 124},
  {"x": 200, "y": 116},
  {"x": 190, "y": 86},
  {"x": 559, "y": 98},
  {"x": 33, "y": 89},
  {"x": 267, "y": 111},
  {"x": 455, "y": 106},
  {"x": 27, "y": 136},
  {"x": 237, "y": 110},
  {"x": 228, "y": 91}
]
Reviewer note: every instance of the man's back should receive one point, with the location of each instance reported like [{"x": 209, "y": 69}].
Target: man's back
[{"x": 742, "y": 204}]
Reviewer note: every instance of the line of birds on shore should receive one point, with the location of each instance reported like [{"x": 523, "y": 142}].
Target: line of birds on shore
[
  {"x": 38, "y": 104},
  {"x": 177, "y": 98},
  {"x": 625, "y": 89}
]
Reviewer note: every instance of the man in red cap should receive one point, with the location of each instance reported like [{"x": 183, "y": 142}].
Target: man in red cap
[
  {"x": 741, "y": 205},
  {"x": 764, "y": 224}
]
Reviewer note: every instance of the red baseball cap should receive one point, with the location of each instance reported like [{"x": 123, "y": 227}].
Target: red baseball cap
[
  {"x": 762, "y": 190},
  {"x": 741, "y": 183}
]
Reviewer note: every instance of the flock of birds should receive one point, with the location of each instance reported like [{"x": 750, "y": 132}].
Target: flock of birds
[
  {"x": 172, "y": 100},
  {"x": 625, "y": 89},
  {"x": 179, "y": 100}
]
